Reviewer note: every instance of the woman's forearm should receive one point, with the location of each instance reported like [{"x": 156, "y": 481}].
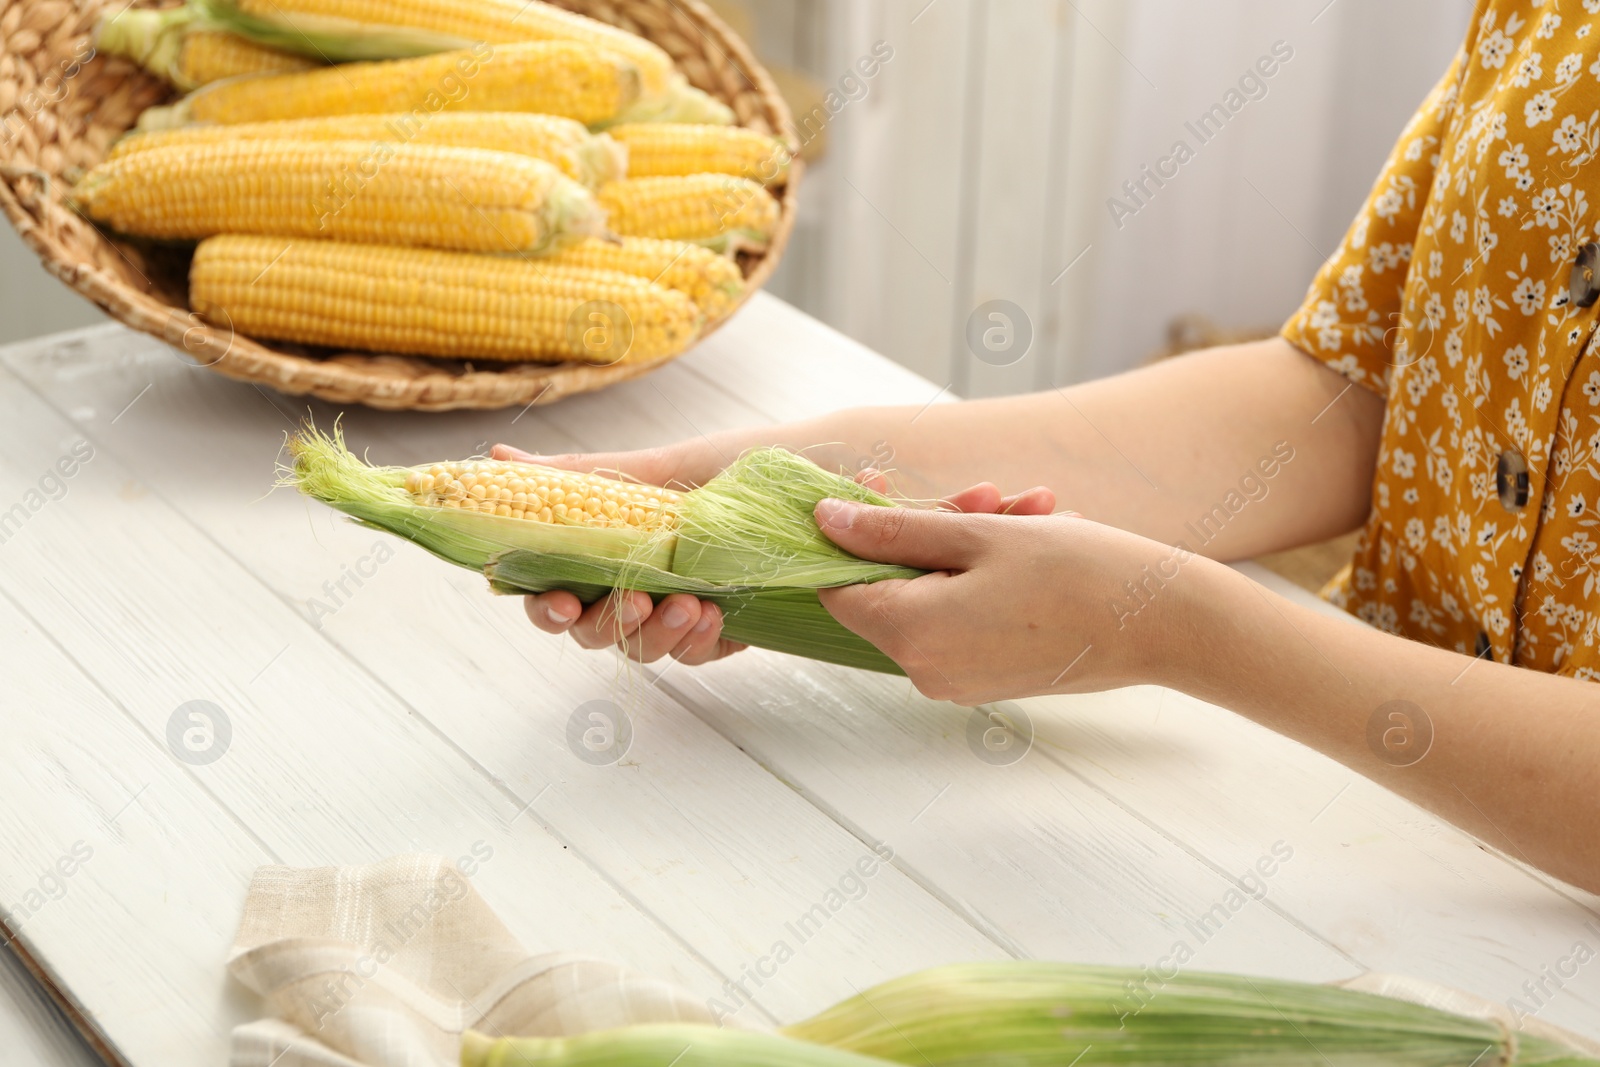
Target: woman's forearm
[
  {"x": 1507, "y": 753},
  {"x": 1233, "y": 451}
]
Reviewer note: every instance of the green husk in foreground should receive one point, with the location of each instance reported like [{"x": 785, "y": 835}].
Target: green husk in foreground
[
  {"x": 1020, "y": 1013},
  {"x": 745, "y": 541},
  {"x": 1026, "y": 1013}
]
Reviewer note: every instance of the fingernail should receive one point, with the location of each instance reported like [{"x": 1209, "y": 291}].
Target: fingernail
[
  {"x": 837, "y": 514},
  {"x": 557, "y": 617},
  {"x": 627, "y": 614},
  {"x": 675, "y": 617},
  {"x": 706, "y": 619}
]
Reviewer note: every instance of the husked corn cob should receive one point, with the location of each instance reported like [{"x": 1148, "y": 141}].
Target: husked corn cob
[
  {"x": 543, "y": 494},
  {"x": 423, "y": 302},
  {"x": 681, "y": 102},
  {"x": 495, "y": 21},
  {"x": 719, "y": 211},
  {"x": 212, "y": 55},
  {"x": 665, "y": 149},
  {"x": 575, "y": 81},
  {"x": 462, "y": 198},
  {"x": 713, "y": 282},
  {"x": 176, "y": 44},
  {"x": 589, "y": 158}
]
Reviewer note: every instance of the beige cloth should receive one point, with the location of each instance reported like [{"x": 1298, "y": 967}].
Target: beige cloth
[{"x": 386, "y": 965}]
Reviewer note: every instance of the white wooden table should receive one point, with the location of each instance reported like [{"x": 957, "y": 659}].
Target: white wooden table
[{"x": 415, "y": 712}]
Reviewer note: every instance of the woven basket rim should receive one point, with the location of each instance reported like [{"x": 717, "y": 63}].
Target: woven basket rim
[{"x": 376, "y": 379}]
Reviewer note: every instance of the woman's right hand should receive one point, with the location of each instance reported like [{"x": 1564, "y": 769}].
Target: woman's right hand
[
  {"x": 686, "y": 628},
  {"x": 681, "y": 626}
]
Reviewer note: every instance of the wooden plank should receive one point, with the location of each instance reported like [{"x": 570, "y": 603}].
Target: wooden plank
[
  {"x": 138, "y": 931},
  {"x": 32, "y": 1028},
  {"x": 684, "y": 826}
]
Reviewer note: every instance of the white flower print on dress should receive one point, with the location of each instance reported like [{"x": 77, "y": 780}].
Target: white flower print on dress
[
  {"x": 1494, "y": 49},
  {"x": 1540, "y": 108},
  {"x": 1528, "y": 295},
  {"x": 1527, "y": 70},
  {"x": 1516, "y": 360}
]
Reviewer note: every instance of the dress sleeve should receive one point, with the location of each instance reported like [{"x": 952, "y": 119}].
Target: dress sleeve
[{"x": 1349, "y": 316}]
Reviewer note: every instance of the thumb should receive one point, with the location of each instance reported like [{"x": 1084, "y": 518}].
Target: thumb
[{"x": 911, "y": 537}]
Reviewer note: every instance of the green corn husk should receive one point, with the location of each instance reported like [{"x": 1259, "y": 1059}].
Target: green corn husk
[
  {"x": 655, "y": 1045},
  {"x": 746, "y": 541},
  {"x": 1024, "y": 1013}
]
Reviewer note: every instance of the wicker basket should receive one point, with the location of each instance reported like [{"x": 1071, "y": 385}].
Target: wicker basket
[{"x": 61, "y": 107}]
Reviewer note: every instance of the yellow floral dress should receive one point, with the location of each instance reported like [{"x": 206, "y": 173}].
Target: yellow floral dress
[{"x": 1465, "y": 293}]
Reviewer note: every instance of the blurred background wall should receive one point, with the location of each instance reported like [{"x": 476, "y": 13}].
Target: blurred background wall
[{"x": 966, "y": 151}]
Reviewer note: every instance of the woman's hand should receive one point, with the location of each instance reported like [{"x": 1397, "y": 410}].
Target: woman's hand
[
  {"x": 687, "y": 628},
  {"x": 681, "y": 626},
  {"x": 1015, "y": 606}
]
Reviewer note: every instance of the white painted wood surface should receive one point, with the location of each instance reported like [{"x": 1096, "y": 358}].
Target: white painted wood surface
[{"x": 419, "y": 713}]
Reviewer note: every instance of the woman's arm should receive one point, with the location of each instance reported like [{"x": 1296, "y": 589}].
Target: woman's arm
[
  {"x": 1019, "y": 607},
  {"x": 1149, "y": 451},
  {"x": 1155, "y": 451}
]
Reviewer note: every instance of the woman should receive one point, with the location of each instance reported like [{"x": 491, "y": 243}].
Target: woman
[{"x": 1441, "y": 384}]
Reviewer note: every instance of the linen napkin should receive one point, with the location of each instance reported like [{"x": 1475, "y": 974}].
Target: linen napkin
[{"x": 385, "y": 966}]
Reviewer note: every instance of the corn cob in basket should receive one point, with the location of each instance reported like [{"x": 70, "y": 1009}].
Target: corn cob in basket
[
  {"x": 563, "y": 78},
  {"x": 592, "y": 159},
  {"x": 425, "y": 195},
  {"x": 174, "y": 45},
  {"x": 347, "y": 30},
  {"x": 720, "y": 211},
  {"x": 431, "y": 303}
]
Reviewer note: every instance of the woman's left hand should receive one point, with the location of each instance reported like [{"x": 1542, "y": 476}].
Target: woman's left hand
[{"x": 1016, "y": 605}]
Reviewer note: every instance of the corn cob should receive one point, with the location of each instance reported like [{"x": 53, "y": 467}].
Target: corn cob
[
  {"x": 423, "y": 302},
  {"x": 746, "y": 540},
  {"x": 1027, "y": 1014},
  {"x": 571, "y": 80},
  {"x": 212, "y": 55},
  {"x": 1037, "y": 1013},
  {"x": 681, "y": 102},
  {"x": 719, "y": 211},
  {"x": 462, "y": 198},
  {"x": 177, "y": 46},
  {"x": 543, "y": 494},
  {"x": 589, "y": 158},
  {"x": 668, "y": 149},
  {"x": 364, "y": 29},
  {"x": 713, "y": 282}
]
